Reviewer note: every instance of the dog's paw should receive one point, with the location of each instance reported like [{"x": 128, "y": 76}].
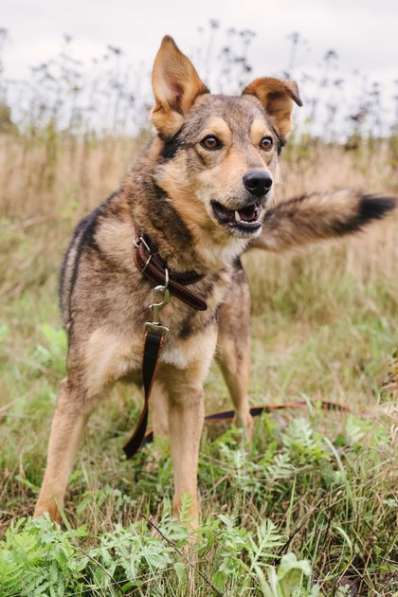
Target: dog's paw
[{"x": 49, "y": 508}]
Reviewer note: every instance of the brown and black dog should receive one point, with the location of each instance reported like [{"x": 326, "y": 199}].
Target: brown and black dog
[{"x": 202, "y": 195}]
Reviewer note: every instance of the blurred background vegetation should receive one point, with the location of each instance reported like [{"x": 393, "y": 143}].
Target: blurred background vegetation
[{"x": 324, "y": 326}]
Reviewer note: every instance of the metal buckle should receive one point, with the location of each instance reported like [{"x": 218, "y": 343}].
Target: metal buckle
[
  {"x": 157, "y": 327},
  {"x": 157, "y": 307}
]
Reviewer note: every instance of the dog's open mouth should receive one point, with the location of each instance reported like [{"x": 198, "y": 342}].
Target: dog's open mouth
[{"x": 246, "y": 219}]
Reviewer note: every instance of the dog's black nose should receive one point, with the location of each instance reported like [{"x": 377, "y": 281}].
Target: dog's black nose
[{"x": 257, "y": 182}]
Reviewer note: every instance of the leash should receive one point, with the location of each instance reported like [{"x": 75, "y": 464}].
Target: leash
[
  {"x": 154, "y": 337},
  {"x": 255, "y": 411},
  {"x": 168, "y": 282}
]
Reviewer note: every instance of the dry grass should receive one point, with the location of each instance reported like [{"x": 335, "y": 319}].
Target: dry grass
[{"x": 324, "y": 325}]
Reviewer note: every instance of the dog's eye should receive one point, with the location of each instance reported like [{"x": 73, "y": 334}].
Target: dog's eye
[
  {"x": 266, "y": 143},
  {"x": 211, "y": 143}
]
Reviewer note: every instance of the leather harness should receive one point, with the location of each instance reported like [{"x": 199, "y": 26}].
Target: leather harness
[
  {"x": 167, "y": 282},
  {"x": 155, "y": 269}
]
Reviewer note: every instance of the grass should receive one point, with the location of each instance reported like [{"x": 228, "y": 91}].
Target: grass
[{"x": 310, "y": 509}]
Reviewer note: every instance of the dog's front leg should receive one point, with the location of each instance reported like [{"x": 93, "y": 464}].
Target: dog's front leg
[
  {"x": 66, "y": 430},
  {"x": 233, "y": 347},
  {"x": 159, "y": 410},
  {"x": 186, "y": 423},
  {"x": 184, "y": 389}
]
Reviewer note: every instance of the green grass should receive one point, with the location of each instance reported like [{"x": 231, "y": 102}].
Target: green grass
[{"x": 309, "y": 509}]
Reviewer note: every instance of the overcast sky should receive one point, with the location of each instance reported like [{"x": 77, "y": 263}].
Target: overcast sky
[{"x": 364, "y": 32}]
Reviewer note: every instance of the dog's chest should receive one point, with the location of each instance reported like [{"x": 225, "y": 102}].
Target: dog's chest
[
  {"x": 197, "y": 348},
  {"x": 192, "y": 333}
]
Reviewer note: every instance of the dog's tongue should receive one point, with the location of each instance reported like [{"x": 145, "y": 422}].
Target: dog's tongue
[{"x": 248, "y": 214}]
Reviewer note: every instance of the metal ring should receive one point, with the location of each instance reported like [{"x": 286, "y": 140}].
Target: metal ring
[{"x": 142, "y": 240}]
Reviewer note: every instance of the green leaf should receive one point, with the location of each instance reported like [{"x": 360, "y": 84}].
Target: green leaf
[
  {"x": 181, "y": 572},
  {"x": 291, "y": 573}
]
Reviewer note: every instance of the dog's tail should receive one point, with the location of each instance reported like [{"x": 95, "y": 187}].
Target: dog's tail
[{"x": 317, "y": 216}]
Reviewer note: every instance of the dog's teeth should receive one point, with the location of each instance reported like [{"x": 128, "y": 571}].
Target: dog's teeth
[{"x": 237, "y": 217}]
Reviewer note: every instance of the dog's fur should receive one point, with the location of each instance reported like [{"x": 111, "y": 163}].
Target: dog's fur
[{"x": 168, "y": 196}]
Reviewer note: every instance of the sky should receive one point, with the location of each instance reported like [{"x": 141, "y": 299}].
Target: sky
[{"x": 364, "y": 32}]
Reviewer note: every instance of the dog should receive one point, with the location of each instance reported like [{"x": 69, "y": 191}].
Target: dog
[{"x": 200, "y": 195}]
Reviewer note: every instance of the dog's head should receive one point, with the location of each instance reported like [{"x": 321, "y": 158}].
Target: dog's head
[{"x": 219, "y": 154}]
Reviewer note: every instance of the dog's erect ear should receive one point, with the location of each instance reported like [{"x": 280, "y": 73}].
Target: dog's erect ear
[
  {"x": 176, "y": 85},
  {"x": 276, "y": 95}
]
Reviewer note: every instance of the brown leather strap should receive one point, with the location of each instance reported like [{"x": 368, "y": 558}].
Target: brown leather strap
[
  {"x": 153, "y": 268},
  {"x": 255, "y": 411},
  {"x": 153, "y": 343},
  {"x": 258, "y": 410}
]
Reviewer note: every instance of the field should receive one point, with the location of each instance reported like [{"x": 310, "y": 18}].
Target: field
[{"x": 310, "y": 508}]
